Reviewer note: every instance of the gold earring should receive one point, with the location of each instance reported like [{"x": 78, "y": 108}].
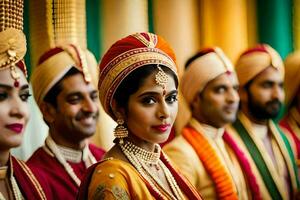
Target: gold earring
[{"x": 120, "y": 131}]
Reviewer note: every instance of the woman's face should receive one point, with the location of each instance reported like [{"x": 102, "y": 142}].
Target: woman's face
[
  {"x": 152, "y": 110},
  {"x": 14, "y": 109}
]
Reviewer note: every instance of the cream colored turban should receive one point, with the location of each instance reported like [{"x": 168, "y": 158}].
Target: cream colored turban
[
  {"x": 292, "y": 76},
  {"x": 255, "y": 60},
  {"x": 202, "y": 70},
  {"x": 55, "y": 63}
]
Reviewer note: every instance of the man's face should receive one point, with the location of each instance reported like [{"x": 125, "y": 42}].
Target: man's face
[
  {"x": 218, "y": 103},
  {"x": 77, "y": 109},
  {"x": 266, "y": 94}
]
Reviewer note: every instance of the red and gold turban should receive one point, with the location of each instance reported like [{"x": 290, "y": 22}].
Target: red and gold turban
[
  {"x": 292, "y": 76},
  {"x": 125, "y": 56},
  {"x": 255, "y": 60},
  {"x": 211, "y": 63},
  {"x": 56, "y": 62}
]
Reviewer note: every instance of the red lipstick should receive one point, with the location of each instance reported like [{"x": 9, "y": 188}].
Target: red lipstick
[
  {"x": 162, "y": 128},
  {"x": 15, "y": 127}
]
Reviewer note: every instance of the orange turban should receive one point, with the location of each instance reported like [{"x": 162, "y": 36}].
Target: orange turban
[
  {"x": 125, "y": 56},
  {"x": 292, "y": 76},
  {"x": 255, "y": 60},
  {"x": 209, "y": 64},
  {"x": 56, "y": 62}
]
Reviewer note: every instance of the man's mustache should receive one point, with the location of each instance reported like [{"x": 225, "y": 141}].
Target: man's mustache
[
  {"x": 82, "y": 115},
  {"x": 274, "y": 102}
]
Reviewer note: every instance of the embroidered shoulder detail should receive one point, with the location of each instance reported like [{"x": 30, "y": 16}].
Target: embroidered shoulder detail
[
  {"x": 99, "y": 193},
  {"x": 119, "y": 193}
]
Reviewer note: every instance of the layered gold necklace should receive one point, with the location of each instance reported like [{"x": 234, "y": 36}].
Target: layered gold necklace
[{"x": 139, "y": 158}]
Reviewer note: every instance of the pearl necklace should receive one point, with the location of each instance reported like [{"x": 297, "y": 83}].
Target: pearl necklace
[
  {"x": 147, "y": 156},
  {"x": 15, "y": 188},
  {"x": 135, "y": 158},
  {"x": 53, "y": 147},
  {"x": 16, "y": 191}
]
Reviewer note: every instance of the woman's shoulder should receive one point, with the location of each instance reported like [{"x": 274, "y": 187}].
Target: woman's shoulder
[
  {"x": 114, "y": 177},
  {"x": 112, "y": 163}
]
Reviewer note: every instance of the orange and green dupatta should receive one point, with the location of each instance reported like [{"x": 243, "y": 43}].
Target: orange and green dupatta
[{"x": 259, "y": 160}]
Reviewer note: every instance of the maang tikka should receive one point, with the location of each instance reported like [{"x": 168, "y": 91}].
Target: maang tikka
[
  {"x": 120, "y": 131},
  {"x": 161, "y": 78}
]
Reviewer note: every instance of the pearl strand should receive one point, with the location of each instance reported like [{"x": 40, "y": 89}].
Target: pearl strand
[
  {"x": 133, "y": 160},
  {"x": 172, "y": 182},
  {"x": 55, "y": 150},
  {"x": 15, "y": 188},
  {"x": 146, "y": 156},
  {"x": 150, "y": 178}
]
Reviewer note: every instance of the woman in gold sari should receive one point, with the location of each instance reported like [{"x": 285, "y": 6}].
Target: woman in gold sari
[{"x": 138, "y": 88}]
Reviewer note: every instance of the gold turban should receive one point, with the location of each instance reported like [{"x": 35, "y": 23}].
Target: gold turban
[
  {"x": 292, "y": 76},
  {"x": 255, "y": 60},
  {"x": 210, "y": 64},
  {"x": 55, "y": 63},
  {"x": 125, "y": 56}
]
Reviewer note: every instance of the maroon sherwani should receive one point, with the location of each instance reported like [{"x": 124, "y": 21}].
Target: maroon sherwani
[
  {"x": 54, "y": 178},
  {"x": 27, "y": 183}
]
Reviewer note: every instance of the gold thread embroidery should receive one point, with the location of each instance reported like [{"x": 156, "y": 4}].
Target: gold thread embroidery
[
  {"x": 151, "y": 43},
  {"x": 119, "y": 193},
  {"x": 99, "y": 193}
]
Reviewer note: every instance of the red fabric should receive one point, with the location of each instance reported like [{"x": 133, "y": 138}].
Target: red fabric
[
  {"x": 49, "y": 54},
  {"x": 258, "y": 48},
  {"x": 284, "y": 123},
  {"x": 27, "y": 187},
  {"x": 54, "y": 178},
  {"x": 83, "y": 189},
  {"x": 21, "y": 65}
]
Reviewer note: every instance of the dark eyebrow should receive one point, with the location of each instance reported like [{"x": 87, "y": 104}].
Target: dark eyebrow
[
  {"x": 220, "y": 86},
  {"x": 173, "y": 92},
  {"x": 148, "y": 94},
  {"x": 25, "y": 87},
  {"x": 8, "y": 87},
  {"x": 94, "y": 91},
  {"x": 73, "y": 94},
  {"x": 157, "y": 93}
]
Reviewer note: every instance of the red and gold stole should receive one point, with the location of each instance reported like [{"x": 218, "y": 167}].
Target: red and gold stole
[
  {"x": 28, "y": 184},
  {"x": 222, "y": 179}
]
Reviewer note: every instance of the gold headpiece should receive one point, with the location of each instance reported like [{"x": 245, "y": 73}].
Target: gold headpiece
[
  {"x": 12, "y": 38},
  {"x": 55, "y": 23},
  {"x": 58, "y": 38},
  {"x": 161, "y": 78}
]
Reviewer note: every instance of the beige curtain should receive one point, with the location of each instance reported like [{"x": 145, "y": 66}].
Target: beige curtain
[{"x": 178, "y": 22}]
